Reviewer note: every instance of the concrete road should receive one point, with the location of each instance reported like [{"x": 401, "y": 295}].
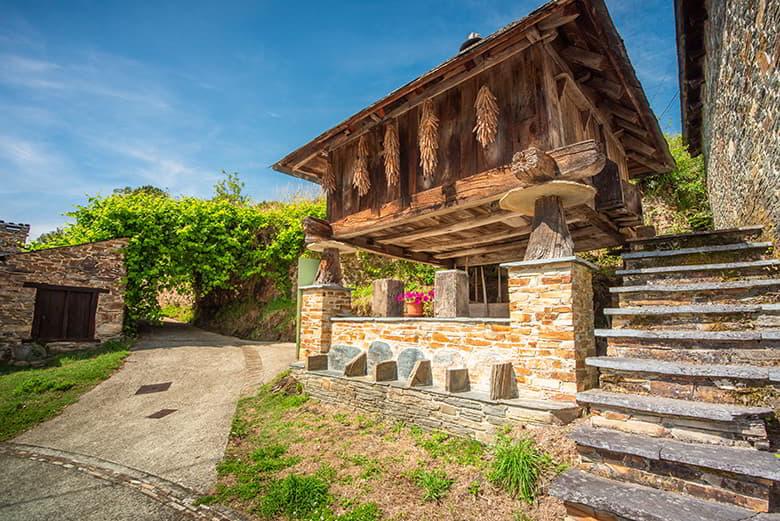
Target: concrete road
[{"x": 206, "y": 373}]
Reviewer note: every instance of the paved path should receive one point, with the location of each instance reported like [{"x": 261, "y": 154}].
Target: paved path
[{"x": 207, "y": 374}]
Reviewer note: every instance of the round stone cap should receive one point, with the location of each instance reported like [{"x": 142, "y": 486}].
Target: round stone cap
[
  {"x": 320, "y": 246},
  {"x": 572, "y": 193}
]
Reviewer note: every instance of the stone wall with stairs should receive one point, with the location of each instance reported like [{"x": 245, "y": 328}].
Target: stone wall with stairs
[{"x": 683, "y": 425}]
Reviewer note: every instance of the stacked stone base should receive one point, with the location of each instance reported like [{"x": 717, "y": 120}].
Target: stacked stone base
[{"x": 466, "y": 414}]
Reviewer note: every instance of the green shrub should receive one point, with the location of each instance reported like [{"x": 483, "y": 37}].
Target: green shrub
[
  {"x": 517, "y": 467},
  {"x": 434, "y": 483},
  {"x": 294, "y": 496}
]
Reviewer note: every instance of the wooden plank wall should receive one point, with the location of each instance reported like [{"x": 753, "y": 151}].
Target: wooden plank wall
[{"x": 531, "y": 113}]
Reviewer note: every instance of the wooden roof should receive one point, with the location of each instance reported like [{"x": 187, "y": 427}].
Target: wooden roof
[
  {"x": 586, "y": 23},
  {"x": 691, "y": 51}
]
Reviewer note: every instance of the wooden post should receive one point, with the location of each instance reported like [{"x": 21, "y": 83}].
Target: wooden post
[
  {"x": 329, "y": 271},
  {"x": 550, "y": 237}
]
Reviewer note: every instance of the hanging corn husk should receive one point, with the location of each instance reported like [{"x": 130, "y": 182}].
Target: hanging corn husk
[
  {"x": 392, "y": 154},
  {"x": 329, "y": 177},
  {"x": 486, "y": 128},
  {"x": 428, "y": 139},
  {"x": 360, "y": 178}
]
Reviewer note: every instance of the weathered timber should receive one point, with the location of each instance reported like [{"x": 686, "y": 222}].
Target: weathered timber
[
  {"x": 394, "y": 252},
  {"x": 358, "y": 366},
  {"x": 466, "y": 193},
  {"x": 316, "y": 230},
  {"x": 533, "y": 166},
  {"x": 572, "y": 163},
  {"x": 550, "y": 237},
  {"x": 383, "y": 298},
  {"x": 329, "y": 270},
  {"x": 585, "y": 58},
  {"x": 503, "y": 383},
  {"x": 616, "y": 109},
  {"x": 421, "y": 375},
  {"x": 317, "y": 362},
  {"x": 457, "y": 381},
  {"x": 386, "y": 371},
  {"x": 633, "y": 143},
  {"x": 608, "y": 87}
]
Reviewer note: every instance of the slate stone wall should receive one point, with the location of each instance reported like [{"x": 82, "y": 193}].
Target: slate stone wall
[
  {"x": 741, "y": 113},
  {"x": 455, "y": 413},
  {"x": 12, "y": 236},
  {"x": 93, "y": 265}
]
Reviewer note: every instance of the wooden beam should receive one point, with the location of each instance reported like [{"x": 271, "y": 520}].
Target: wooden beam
[
  {"x": 586, "y": 58},
  {"x": 608, "y": 87},
  {"x": 468, "y": 192},
  {"x": 634, "y": 129},
  {"x": 555, "y": 21},
  {"x": 405, "y": 238},
  {"x": 653, "y": 165},
  {"x": 633, "y": 143},
  {"x": 395, "y": 252},
  {"x": 594, "y": 218},
  {"x": 571, "y": 163},
  {"x": 484, "y": 239},
  {"x": 620, "y": 111}
]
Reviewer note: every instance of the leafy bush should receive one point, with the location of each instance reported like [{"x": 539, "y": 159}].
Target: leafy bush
[
  {"x": 517, "y": 467},
  {"x": 684, "y": 188},
  {"x": 434, "y": 483},
  {"x": 294, "y": 496}
]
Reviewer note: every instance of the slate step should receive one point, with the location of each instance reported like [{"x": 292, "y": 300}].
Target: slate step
[
  {"x": 743, "y": 477},
  {"x": 588, "y": 497},
  {"x": 685, "y": 420},
  {"x": 718, "y": 254},
  {"x": 694, "y": 352},
  {"x": 713, "y": 272},
  {"x": 696, "y": 239},
  {"x": 742, "y": 292},
  {"x": 704, "y": 317},
  {"x": 768, "y": 336}
]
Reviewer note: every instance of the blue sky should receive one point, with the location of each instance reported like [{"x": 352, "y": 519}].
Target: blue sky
[{"x": 99, "y": 95}]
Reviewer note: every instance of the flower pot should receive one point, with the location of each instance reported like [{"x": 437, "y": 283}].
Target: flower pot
[{"x": 414, "y": 309}]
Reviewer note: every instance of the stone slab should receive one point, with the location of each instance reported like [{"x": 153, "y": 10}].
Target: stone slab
[
  {"x": 383, "y": 298},
  {"x": 720, "y": 266},
  {"x": 378, "y": 352},
  {"x": 407, "y": 360},
  {"x": 719, "y": 336},
  {"x": 549, "y": 262},
  {"x": 639, "y": 503},
  {"x": 738, "y": 246},
  {"x": 755, "y": 229},
  {"x": 706, "y": 309},
  {"x": 421, "y": 375},
  {"x": 358, "y": 366},
  {"x": 699, "y": 286},
  {"x": 452, "y": 294},
  {"x": 642, "y": 365},
  {"x": 444, "y": 320},
  {"x": 671, "y": 406},
  {"x": 340, "y": 355},
  {"x": 317, "y": 362},
  {"x": 386, "y": 371},
  {"x": 614, "y": 441}
]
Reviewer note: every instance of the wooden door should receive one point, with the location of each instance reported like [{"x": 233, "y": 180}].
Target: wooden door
[{"x": 64, "y": 314}]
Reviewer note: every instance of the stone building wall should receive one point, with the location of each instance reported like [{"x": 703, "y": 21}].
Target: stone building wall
[
  {"x": 93, "y": 265},
  {"x": 319, "y": 303},
  {"x": 473, "y": 343},
  {"x": 12, "y": 236},
  {"x": 741, "y": 112}
]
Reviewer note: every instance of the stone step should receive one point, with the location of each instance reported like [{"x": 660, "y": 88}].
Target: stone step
[
  {"x": 719, "y": 254},
  {"x": 769, "y": 336},
  {"x": 696, "y": 239},
  {"x": 700, "y": 382},
  {"x": 713, "y": 272},
  {"x": 741, "y": 292},
  {"x": 742, "y": 477},
  {"x": 685, "y": 420},
  {"x": 704, "y": 317},
  {"x": 588, "y": 497},
  {"x": 693, "y": 352}
]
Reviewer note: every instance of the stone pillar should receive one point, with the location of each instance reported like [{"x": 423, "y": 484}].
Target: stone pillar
[
  {"x": 551, "y": 315},
  {"x": 383, "y": 298},
  {"x": 320, "y": 303},
  {"x": 452, "y": 294}
]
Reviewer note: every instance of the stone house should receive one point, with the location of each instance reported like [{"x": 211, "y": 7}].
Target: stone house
[
  {"x": 61, "y": 298},
  {"x": 728, "y": 52}
]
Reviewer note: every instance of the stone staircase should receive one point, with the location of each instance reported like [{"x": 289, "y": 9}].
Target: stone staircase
[{"x": 683, "y": 424}]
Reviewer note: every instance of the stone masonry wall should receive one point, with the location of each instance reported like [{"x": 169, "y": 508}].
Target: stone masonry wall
[
  {"x": 472, "y": 343},
  {"x": 319, "y": 304},
  {"x": 431, "y": 409},
  {"x": 551, "y": 312},
  {"x": 12, "y": 236},
  {"x": 741, "y": 120},
  {"x": 94, "y": 265}
]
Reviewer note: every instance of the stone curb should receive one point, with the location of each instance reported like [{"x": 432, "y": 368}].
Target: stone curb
[{"x": 165, "y": 492}]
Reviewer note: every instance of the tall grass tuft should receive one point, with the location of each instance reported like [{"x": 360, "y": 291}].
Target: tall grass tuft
[{"x": 517, "y": 467}]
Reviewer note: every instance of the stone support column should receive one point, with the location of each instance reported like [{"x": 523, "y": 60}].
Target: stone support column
[
  {"x": 320, "y": 303},
  {"x": 452, "y": 294},
  {"x": 551, "y": 315},
  {"x": 383, "y": 298}
]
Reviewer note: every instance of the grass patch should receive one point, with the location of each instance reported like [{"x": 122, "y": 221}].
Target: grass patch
[
  {"x": 517, "y": 467},
  {"x": 434, "y": 483},
  {"x": 295, "y": 497},
  {"x": 32, "y": 395},
  {"x": 179, "y": 313},
  {"x": 450, "y": 449}
]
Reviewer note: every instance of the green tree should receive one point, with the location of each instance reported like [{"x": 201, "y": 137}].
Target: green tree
[{"x": 231, "y": 189}]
